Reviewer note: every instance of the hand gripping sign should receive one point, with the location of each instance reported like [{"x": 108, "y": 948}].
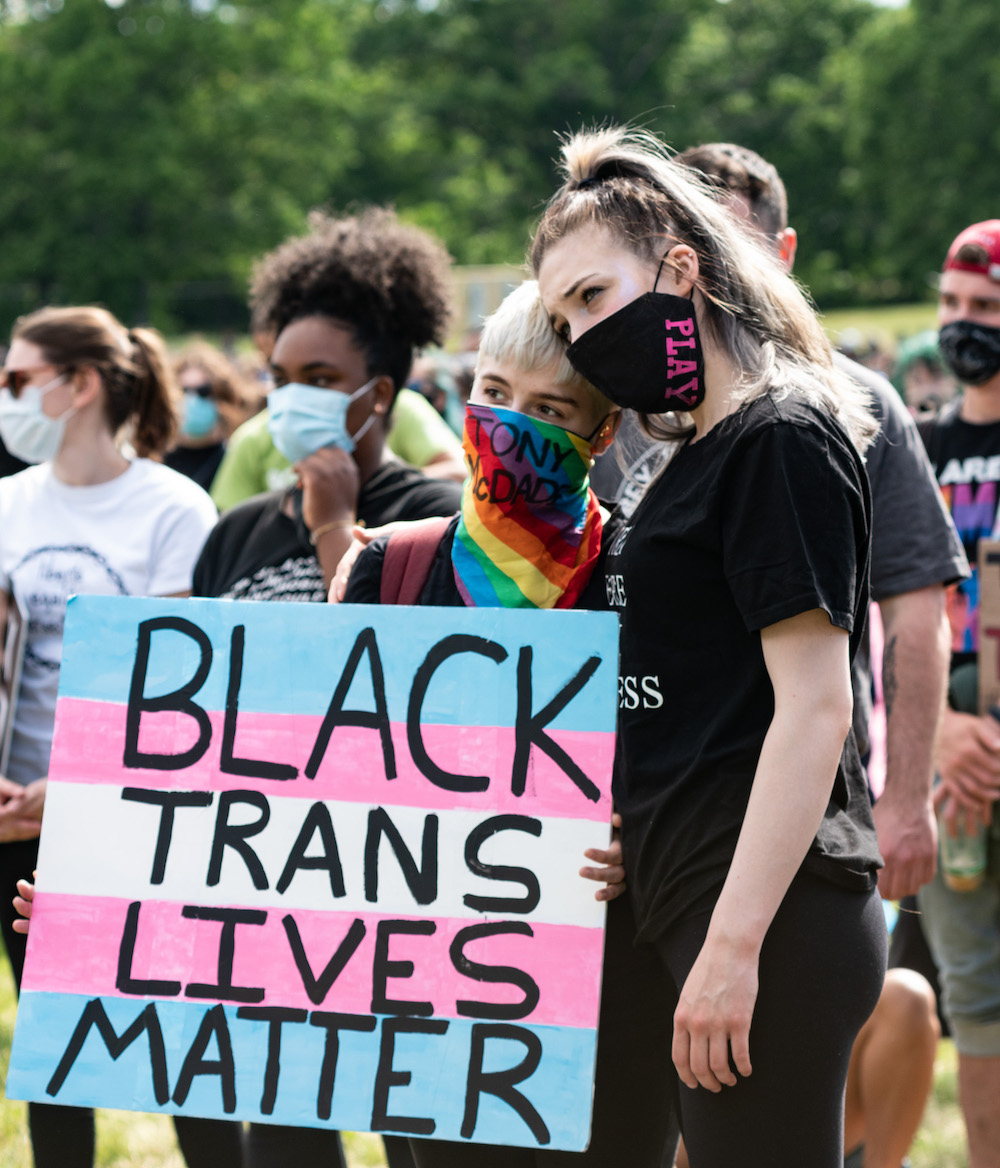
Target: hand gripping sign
[{"x": 317, "y": 865}]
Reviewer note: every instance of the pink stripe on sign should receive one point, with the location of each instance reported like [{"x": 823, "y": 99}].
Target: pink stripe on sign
[
  {"x": 90, "y": 736},
  {"x": 76, "y": 942}
]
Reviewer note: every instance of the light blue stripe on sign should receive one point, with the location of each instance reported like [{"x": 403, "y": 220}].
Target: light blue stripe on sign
[
  {"x": 559, "y": 1091},
  {"x": 295, "y": 655}
]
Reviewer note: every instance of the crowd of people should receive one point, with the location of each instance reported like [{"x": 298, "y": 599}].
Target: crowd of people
[{"x": 736, "y": 491}]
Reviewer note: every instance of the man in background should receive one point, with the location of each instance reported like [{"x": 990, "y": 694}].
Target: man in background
[{"x": 964, "y": 447}]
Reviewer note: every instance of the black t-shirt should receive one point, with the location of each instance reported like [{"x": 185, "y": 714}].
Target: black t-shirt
[
  {"x": 365, "y": 584},
  {"x": 257, "y": 552},
  {"x": 8, "y": 463},
  {"x": 965, "y": 457},
  {"x": 197, "y": 462},
  {"x": 766, "y": 517}
]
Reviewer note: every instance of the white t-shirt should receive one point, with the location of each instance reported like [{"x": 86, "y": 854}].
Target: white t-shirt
[{"x": 137, "y": 535}]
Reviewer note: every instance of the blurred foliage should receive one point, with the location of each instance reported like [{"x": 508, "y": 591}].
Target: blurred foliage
[{"x": 152, "y": 148}]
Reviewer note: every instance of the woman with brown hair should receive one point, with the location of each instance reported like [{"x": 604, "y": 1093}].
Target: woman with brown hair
[
  {"x": 741, "y": 582},
  {"x": 84, "y": 518}
]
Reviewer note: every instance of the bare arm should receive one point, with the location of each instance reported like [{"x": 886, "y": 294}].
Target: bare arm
[
  {"x": 330, "y": 488},
  {"x": 807, "y": 661},
  {"x": 914, "y": 680},
  {"x": 446, "y": 465}
]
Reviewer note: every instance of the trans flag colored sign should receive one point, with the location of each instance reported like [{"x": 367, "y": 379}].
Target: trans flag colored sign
[{"x": 317, "y": 865}]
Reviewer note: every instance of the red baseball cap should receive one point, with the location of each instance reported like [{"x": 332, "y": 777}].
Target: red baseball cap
[{"x": 986, "y": 236}]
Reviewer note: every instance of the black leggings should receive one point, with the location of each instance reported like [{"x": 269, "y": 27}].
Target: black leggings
[
  {"x": 634, "y": 1121},
  {"x": 821, "y": 971}
]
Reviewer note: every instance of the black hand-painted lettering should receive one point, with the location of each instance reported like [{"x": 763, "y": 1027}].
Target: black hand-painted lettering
[
  {"x": 333, "y": 1024},
  {"x": 448, "y": 647},
  {"x": 229, "y": 918},
  {"x": 386, "y": 1077},
  {"x": 318, "y": 987},
  {"x": 212, "y": 1025},
  {"x": 537, "y": 455},
  {"x": 229, "y": 764},
  {"x": 179, "y": 700},
  {"x": 275, "y": 1017},
  {"x": 317, "y": 820},
  {"x": 383, "y": 968},
  {"x": 502, "y": 1083},
  {"x": 94, "y": 1015},
  {"x": 336, "y": 715},
  {"x": 168, "y": 802},
  {"x": 507, "y": 1011},
  {"x": 125, "y": 982},
  {"x": 528, "y": 727},
  {"x": 235, "y": 835},
  {"x": 422, "y": 881},
  {"x": 475, "y": 840}
]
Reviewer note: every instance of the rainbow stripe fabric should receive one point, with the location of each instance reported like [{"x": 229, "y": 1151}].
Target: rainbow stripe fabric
[{"x": 530, "y": 530}]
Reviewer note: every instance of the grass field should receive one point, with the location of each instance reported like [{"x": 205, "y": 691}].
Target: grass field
[
  {"x": 127, "y": 1139},
  {"x": 886, "y": 323}
]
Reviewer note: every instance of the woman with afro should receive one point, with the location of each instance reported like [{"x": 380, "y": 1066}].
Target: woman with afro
[{"x": 348, "y": 304}]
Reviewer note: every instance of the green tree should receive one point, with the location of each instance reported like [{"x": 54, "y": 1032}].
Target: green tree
[
  {"x": 923, "y": 118},
  {"x": 487, "y": 85},
  {"x": 762, "y": 73},
  {"x": 159, "y": 141}
]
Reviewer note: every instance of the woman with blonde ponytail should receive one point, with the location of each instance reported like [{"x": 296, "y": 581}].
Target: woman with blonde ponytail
[
  {"x": 84, "y": 518},
  {"x": 741, "y": 583}
]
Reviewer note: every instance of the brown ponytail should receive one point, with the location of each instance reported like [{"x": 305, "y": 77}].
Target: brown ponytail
[
  {"x": 139, "y": 386},
  {"x": 154, "y": 397}
]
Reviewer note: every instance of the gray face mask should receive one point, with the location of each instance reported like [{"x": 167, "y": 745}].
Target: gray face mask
[{"x": 28, "y": 432}]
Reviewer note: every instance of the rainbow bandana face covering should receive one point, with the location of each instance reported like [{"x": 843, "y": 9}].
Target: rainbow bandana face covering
[{"x": 530, "y": 530}]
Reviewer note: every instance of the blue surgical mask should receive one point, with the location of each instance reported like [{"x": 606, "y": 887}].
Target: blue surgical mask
[
  {"x": 303, "y": 419},
  {"x": 199, "y": 417},
  {"x": 28, "y": 432}
]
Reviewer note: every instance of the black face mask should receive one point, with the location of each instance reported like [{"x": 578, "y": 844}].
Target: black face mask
[
  {"x": 971, "y": 351},
  {"x": 646, "y": 356}
]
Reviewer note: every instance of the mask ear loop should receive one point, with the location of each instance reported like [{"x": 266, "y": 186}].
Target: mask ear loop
[
  {"x": 370, "y": 420},
  {"x": 659, "y": 271},
  {"x": 597, "y": 429}
]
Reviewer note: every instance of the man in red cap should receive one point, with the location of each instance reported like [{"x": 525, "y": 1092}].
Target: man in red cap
[{"x": 963, "y": 442}]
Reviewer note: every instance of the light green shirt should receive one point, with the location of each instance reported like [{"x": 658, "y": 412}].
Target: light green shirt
[{"x": 253, "y": 464}]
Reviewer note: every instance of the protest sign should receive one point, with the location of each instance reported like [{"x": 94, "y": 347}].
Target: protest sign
[
  {"x": 989, "y": 624},
  {"x": 318, "y": 865}
]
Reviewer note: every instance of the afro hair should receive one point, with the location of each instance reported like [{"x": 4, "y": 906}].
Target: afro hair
[{"x": 388, "y": 282}]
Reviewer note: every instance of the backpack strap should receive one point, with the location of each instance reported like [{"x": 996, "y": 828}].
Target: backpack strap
[{"x": 409, "y": 555}]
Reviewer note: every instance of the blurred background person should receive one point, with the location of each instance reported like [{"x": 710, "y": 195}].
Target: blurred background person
[
  {"x": 215, "y": 400},
  {"x": 920, "y": 374}
]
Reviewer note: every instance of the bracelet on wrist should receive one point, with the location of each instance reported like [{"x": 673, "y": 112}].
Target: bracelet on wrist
[{"x": 338, "y": 524}]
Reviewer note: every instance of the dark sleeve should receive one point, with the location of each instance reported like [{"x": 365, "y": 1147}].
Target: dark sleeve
[
  {"x": 914, "y": 542},
  {"x": 795, "y": 521},
  {"x": 205, "y": 581},
  {"x": 365, "y": 583},
  {"x": 431, "y": 497}
]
